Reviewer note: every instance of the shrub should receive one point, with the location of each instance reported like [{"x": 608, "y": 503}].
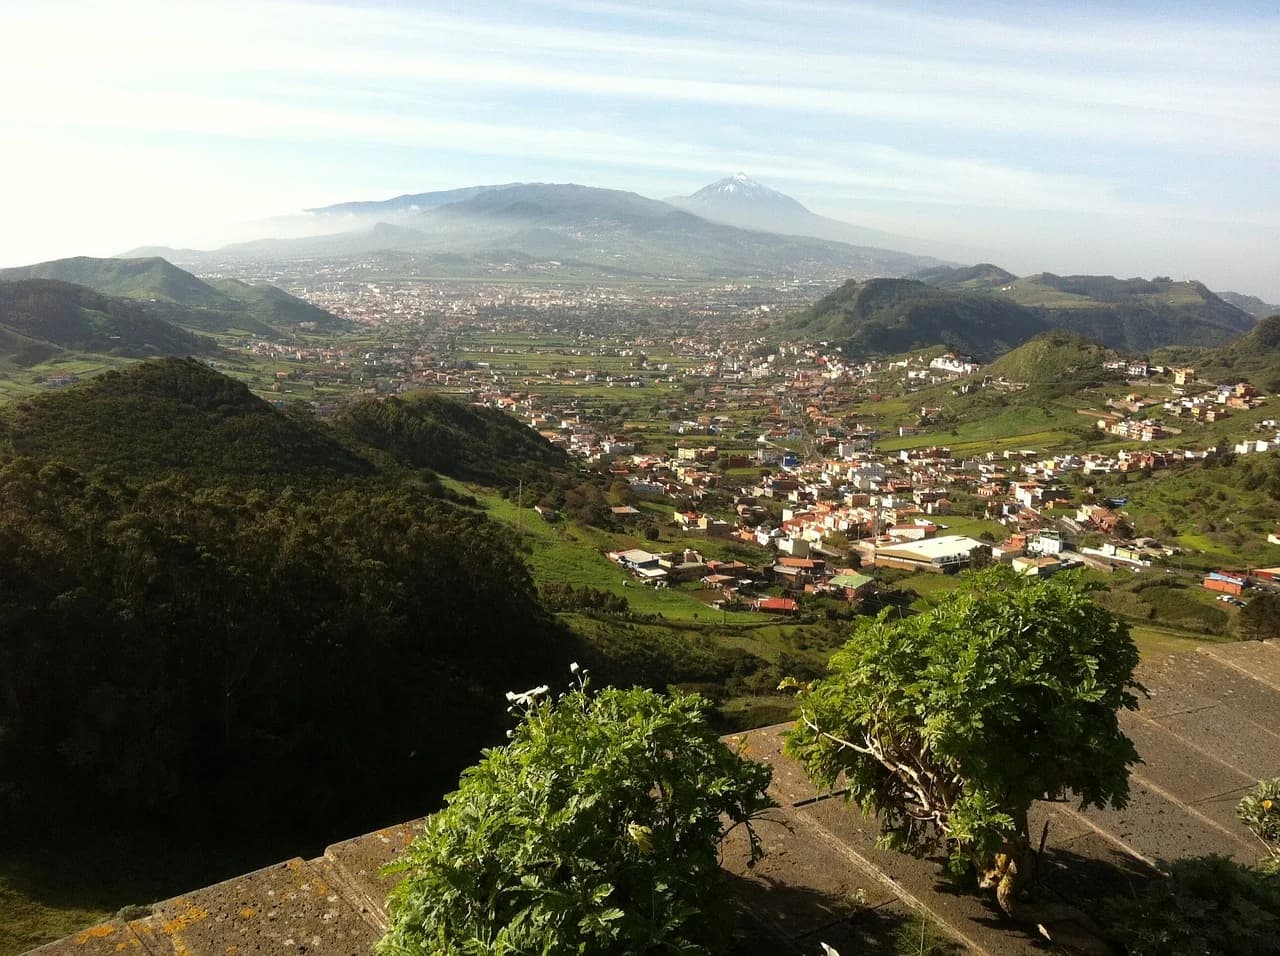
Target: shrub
[
  {"x": 1207, "y": 904},
  {"x": 1259, "y": 810},
  {"x": 596, "y": 829},
  {"x": 950, "y": 723}
]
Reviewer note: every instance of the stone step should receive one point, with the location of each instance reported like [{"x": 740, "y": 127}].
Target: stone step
[
  {"x": 1224, "y": 682},
  {"x": 1161, "y": 828},
  {"x": 356, "y": 866},
  {"x": 973, "y": 918},
  {"x": 289, "y": 907},
  {"x": 1259, "y": 659}
]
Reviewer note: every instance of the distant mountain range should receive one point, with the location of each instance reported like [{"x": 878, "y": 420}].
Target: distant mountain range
[
  {"x": 985, "y": 310},
  {"x": 1250, "y": 303},
  {"x": 180, "y": 298},
  {"x": 591, "y": 230}
]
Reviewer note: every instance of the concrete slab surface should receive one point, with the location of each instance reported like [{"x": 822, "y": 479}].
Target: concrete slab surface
[
  {"x": 790, "y": 784},
  {"x": 285, "y": 908},
  {"x": 1181, "y": 767},
  {"x": 112, "y": 937},
  {"x": 803, "y": 882},
  {"x": 1259, "y": 659},
  {"x": 356, "y": 865}
]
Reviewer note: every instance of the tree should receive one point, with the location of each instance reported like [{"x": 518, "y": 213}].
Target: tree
[
  {"x": 594, "y": 830},
  {"x": 950, "y": 723},
  {"x": 1260, "y": 618},
  {"x": 620, "y": 492}
]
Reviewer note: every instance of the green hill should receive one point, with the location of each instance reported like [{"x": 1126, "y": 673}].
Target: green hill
[
  {"x": 276, "y": 307},
  {"x": 175, "y": 415},
  {"x": 40, "y": 317},
  {"x": 462, "y": 441},
  {"x": 1253, "y": 357},
  {"x": 1001, "y": 311},
  {"x": 179, "y": 415},
  {"x": 1054, "y": 358},
  {"x": 888, "y": 316},
  {"x": 983, "y": 277},
  {"x": 148, "y": 279},
  {"x": 202, "y": 596},
  {"x": 180, "y": 297},
  {"x": 1161, "y": 295}
]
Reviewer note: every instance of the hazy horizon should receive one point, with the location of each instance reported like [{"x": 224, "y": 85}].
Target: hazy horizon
[{"x": 1140, "y": 139}]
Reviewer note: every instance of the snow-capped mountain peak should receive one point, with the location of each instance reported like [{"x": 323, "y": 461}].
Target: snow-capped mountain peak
[{"x": 739, "y": 186}]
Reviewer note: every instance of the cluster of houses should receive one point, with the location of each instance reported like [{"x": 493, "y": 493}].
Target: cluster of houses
[{"x": 735, "y": 583}]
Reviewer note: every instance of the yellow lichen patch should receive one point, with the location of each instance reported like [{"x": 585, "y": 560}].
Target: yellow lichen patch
[
  {"x": 192, "y": 914},
  {"x": 233, "y": 950},
  {"x": 95, "y": 932},
  {"x": 248, "y": 913}
]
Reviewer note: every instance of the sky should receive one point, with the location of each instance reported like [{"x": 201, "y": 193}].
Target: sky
[{"x": 1134, "y": 138}]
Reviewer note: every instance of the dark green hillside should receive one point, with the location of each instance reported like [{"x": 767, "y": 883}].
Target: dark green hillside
[
  {"x": 1141, "y": 328},
  {"x": 259, "y": 663},
  {"x": 1191, "y": 298},
  {"x": 463, "y": 441},
  {"x": 181, "y": 298},
  {"x": 984, "y": 310},
  {"x": 1132, "y": 314},
  {"x": 22, "y": 351},
  {"x": 888, "y": 316},
  {"x": 175, "y": 414},
  {"x": 204, "y": 600},
  {"x": 76, "y": 318},
  {"x": 1252, "y": 357}
]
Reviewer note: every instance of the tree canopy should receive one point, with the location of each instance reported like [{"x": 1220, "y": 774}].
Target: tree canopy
[{"x": 950, "y": 723}]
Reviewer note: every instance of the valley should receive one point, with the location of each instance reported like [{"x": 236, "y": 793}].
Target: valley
[{"x": 686, "y": 483}]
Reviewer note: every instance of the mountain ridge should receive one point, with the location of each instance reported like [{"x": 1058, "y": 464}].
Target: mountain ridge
[
  {"x": 601, "y": 229},
  {"x": 217, "y": 305},
  {"x": 977, "y": 315}
]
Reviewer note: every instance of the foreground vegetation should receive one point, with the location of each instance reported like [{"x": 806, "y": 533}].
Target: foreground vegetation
[{"x": 596, "y": 829}]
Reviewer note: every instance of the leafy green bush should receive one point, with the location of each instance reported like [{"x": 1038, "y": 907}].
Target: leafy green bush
[
  {"x": 1207, "y": 904},
  {"x": 595, "y": 829},
  {"x": 1260, "y": 812},
  {"x": 950, "y": 723}
]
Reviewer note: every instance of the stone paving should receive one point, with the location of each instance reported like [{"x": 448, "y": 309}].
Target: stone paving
[{"x": 1209, "y": 730}]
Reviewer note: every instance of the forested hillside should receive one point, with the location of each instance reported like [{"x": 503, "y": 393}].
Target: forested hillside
[{"x": 204, "y": 600}]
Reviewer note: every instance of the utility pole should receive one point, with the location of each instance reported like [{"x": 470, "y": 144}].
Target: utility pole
[{"x": 519, "y": 506}]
